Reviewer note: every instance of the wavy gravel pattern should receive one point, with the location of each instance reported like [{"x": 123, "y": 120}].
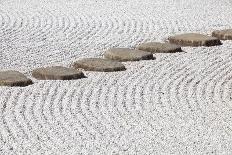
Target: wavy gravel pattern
[{"x": 179, "y": 103}]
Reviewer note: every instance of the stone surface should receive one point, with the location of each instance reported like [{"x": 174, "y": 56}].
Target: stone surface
[
  {"x": 194, "y": 39},
  {"x": 98, "y": 64},
  {"x": 223, "y": 34},
  {"x": 126, "y": 54},
  {"x": 14, "y": 78},
  {"x": 57, "y": 73},
  {"x": 156, "y": 47}
]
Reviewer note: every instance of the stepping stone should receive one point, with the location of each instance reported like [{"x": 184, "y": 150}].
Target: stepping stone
[
  {"x": 57, "y": 73},
  {"x": 194, "y": 39},
  {"x": 126, "y": 54},
  {"x": 223, "y": 34},
  {"x": 156, "y": 47},
  {"x": 14, "y": 78},
  {"x": 98, "y": 64}
]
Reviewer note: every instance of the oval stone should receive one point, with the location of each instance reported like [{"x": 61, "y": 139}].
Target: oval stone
[
  {"x": 98, "y": 64},
  {"x": 57, "y": 73},
  {"x": 223, "y": 34},
  {"x": 156, "y": 47},
  {"x": 194, "y": 39},
  {"x": 14, "y": 78},
  {"x": 126, "y": 54}
]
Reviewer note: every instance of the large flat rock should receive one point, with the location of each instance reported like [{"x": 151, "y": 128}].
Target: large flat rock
[
  {"x": 14, "y": 78},
  {"x": 98, "y": 64},
  {"x": 57, "y": 73},
  {"x": 223, "y": 34},
  {"x": 194, "y": 39},
  {"x": 126, "y": 54},
  {"x": 156, "y": 47}
]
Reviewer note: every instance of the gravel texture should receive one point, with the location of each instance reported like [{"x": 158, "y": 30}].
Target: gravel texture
[{"x": 179, "y": 103}]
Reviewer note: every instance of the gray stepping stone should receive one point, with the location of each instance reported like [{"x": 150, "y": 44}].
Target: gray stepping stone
[
  {"x": 223, "y": 34},
  {"x": 156, "y": 47},
  {"x": 194, "y": 39},
  {"x": 126, "y": 54},
  {"x": 14, "y": 78},
  {"x": 98, "y": 64},
  {"x": 57, "y": 73}
]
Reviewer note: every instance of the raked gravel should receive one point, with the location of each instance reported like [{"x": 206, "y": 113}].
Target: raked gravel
[{"x": 179, "y": 103}]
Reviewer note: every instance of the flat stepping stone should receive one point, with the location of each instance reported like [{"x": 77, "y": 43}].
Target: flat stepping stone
[
  {"x": 57, "y": 73},
  {"x": 223, "y": 34},
  {"x": 156, "y": 47},
  {"x": 98, "y": 64},
  {"x": 126, "y": 54},
  {"x": 194, "y": 39},
  {"x": 14, "y": 78}
]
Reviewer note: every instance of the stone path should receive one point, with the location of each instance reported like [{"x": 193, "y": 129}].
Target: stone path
[{"x": 112, "y": 56}]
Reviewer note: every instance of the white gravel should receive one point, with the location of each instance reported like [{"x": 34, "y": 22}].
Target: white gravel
[{"x": 180, "y": 103}]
